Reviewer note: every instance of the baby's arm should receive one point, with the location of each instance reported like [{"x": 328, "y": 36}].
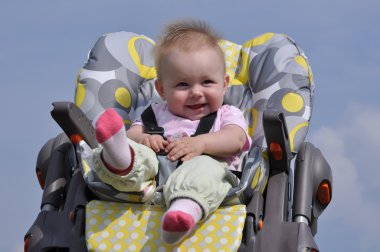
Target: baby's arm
[
  {"x": 224, "y": 143},
  {"x": 155, "y": 142}
]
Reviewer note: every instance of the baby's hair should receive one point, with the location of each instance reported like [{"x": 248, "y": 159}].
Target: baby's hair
[{"x": 186, "y": 35}]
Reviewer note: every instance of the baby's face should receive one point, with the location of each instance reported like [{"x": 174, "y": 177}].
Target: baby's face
[{"x": 193, "y": 83}]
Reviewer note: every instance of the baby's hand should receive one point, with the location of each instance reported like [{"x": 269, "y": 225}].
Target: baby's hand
[
  {"x": 155, "y": 142},
  {"x": 185, "y": 148}
]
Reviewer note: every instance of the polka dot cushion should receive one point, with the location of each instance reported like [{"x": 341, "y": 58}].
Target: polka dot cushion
[{"x": 114, "y": 226}]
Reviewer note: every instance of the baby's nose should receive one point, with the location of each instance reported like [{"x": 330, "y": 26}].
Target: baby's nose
[{"x": 196, "y": 91}]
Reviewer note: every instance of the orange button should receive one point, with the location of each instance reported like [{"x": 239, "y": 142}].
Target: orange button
[
  {"x": 76, "y": 138},
  {"x": 324, "y": 194},
  {"x": 275, "y": 149}
]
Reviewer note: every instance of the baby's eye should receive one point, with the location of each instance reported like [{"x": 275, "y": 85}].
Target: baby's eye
[
  {"x": 182, "y": 84},
  {"x": 205, "y": 82}
]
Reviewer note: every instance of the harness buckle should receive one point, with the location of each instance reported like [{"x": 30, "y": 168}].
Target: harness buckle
[{"x": 155, "y": 130}]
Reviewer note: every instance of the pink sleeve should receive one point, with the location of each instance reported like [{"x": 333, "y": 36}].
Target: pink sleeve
[
  {"x": 137, "y": 121},
  {"x": 232, "y": 115}
]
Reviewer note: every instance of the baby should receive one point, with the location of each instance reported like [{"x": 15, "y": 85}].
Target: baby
[{"x": 192, "y": 80}]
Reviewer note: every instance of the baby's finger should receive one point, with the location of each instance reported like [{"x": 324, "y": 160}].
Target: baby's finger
[
  {"x": 146, "y": 143},
  {"x": 152, "y": 144},
  {"x": 174, "y": 154},
  {"x": 187, "y": 157},
  {"x": 176, "y": 150},
  {"x": 171, "y": 146},
  {"x": 161, "y": 145},
  {"x": 165, "y": 143},
  {"x": 157, "y": 147}
]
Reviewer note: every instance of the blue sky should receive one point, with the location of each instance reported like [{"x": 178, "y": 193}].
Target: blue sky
[{"x": 43, "y": 44}]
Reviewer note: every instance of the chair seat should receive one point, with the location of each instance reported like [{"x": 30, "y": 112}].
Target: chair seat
[{"x": 112, "y": 226}]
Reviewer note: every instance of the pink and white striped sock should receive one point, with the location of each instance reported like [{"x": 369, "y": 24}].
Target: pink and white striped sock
[
  {"x": 180, "y": 220},
  {"x": 110, "y": 133}
]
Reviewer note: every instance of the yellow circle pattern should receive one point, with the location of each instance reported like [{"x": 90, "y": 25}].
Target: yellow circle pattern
[
  {"x": 255, "y": 179},
  {"x": 231, "y": 54},
  {"x": 302, "y": 62},
  {"x": 294, "y": 131},
  {"x": 252, "y": 125},
  {"x": 80, "y": 94},
  {"x": 114, "y": 226},
  {"x": 292, "y": 102},
  {"x": 147, "y": 72},
  {"x": 123, "y": 97}
]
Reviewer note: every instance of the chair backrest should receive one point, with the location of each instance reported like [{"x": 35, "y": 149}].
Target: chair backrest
[{"x": 267, "y": 72}]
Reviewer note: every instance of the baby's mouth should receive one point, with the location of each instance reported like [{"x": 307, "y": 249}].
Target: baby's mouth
[{"x": 196, "y": 106}]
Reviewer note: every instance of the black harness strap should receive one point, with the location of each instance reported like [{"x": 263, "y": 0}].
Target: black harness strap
[
  {"x": 205, "y": 124},
  {"x": 150, "y": 122}
]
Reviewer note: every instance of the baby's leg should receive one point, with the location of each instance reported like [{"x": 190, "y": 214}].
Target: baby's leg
[
  {"x": 110, "y": 133},
  {"x": 192, "y": 192}
]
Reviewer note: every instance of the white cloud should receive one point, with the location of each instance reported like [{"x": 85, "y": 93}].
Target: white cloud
[
  {"x": 360, "y": 127},
  {"x": 363, "y": 123},
  {"x": 351, "y": 147}
]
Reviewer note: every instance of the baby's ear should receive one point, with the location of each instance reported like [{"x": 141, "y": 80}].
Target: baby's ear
[
  {"x": 226, "y": 81},
  {"x": 160, "y": 89}
]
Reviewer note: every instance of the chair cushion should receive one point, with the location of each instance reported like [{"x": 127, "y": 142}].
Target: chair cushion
[{"x": 114, "y": 226}]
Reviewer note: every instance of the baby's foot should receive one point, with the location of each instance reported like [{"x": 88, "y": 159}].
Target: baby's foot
[
  {"x": 110, "y": 133},
  {"x": 180, "y": 220}
]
